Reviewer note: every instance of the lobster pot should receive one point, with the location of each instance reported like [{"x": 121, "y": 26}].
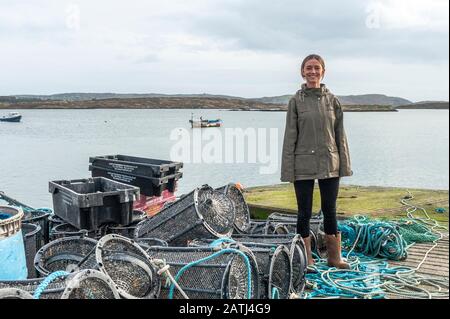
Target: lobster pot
[
  {"x": 257, "y": 227},
  {"x": 86, "y": 284},
  {"x": 146, "y": 243},
  {"x": 14, "y": 293},
  {"x": 242, "y": 212},
  {"x": 13, "y": 264},
  {"x": 66, "y": 254},
  {"x": 299, "y": 262},
  {"x": 66, "y": 230},
  {"x": 275, "y": 271},
  {"x": 40, "y": 218},
  {"x": 223, "y": 277},
  {"x": 125, "y": 231},
  {"x": 274, "y": 258},
  {"x": 203, "y": 213},
  {"x": 53, "y": 291},
  {"x": 31, "y": 240},
  {"x": 280, "y": 217},
  {"x": 283, "y": 228},
  {"x": 129, "y": 267},
  {"x": 265, "y": 239},
  {"x": 90, "y": 284},
  {"x": 290, "y": 221}
]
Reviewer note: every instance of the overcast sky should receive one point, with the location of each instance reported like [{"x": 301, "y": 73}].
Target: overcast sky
[{"x": 247, "y": 48}]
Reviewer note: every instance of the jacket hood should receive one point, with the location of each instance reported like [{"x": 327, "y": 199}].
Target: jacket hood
[{"x": 304, "y": 91}]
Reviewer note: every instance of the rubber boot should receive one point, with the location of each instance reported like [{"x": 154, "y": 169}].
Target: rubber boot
[
  {"x": 334, "y": 252},
  {"x": 310, "y": 267}
]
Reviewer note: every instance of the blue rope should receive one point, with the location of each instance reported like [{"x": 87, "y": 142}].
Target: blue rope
[
  {"x": 275, "y": 293},
  {"x": 374, "y": 238},
  {"x": 219, "y": 241},
  {"x": 43, "y": 285},
  {"x": 217, "y": 254}
]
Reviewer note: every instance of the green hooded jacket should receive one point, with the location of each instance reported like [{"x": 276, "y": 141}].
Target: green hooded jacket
[{"x": 315, "y": 145}]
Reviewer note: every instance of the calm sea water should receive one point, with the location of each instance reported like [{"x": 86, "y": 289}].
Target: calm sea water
[{"x": 408, "y": 149}]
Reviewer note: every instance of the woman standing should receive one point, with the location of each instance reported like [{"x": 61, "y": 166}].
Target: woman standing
[{"x": 315, "y": 147}]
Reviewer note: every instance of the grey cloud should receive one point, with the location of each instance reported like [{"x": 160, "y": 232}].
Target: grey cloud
[{"x": 337, "y": 28}]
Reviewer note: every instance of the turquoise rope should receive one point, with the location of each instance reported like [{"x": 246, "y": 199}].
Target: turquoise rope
[
  {"x": 374, "y": 238},
  {"x": 43, "y": 285},
  {"x": 275, "y": 293},
  {"x": 220, "y": 241},
  {"x": 219, "y": 253}
]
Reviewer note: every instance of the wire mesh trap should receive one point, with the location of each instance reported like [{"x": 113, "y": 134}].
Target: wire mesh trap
[
  {"x": 203, "y": 213},
  {"x": 296, "y": 245},
  {"x": 32, "y": 242},
  {"x": 90, "y": 284},
  {"x": 256, "y": 227},
  {"x": 283, "y": 228},
  {"x": 14, "y": 293},
  {"x": 299, "y": 262},
  {"x": 66, "y": 254},
  {"x": 274, "y": 264},
  {"x": 242, "y": 212},
  {"x": 290, "y": 221},
  {"x": 66, "y": 230},
  {"x": 275, "y": 270},
  {"x": 129, "y": 267},
  {"x": 221, "y": 274},
  {"x": 53, "y": 291},
  {"x": 146, "y": 243}
]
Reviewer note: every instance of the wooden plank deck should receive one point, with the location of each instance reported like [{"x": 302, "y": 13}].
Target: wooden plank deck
[{"x": 435, "y": 265}]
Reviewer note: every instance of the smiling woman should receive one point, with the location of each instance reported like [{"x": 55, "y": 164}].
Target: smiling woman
[{"x": 315, "y": 147}]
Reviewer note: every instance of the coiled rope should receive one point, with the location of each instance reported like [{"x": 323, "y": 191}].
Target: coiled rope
[{"x": 374, "y": 278}]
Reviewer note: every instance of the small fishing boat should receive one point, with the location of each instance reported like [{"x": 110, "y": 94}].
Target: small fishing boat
[
  {"x": 11, "y": 117},
  {"x": 204, "y": 123}
]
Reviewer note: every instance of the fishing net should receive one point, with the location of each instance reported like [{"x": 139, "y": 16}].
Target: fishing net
[
  {"x": 203, "y": 213},
  {"x": 414, "y": 232},
  {"x": 222, "y": 274},
  {"x": 242, "y": 220},
  {"x": 66, "y": 254},
  {"x": 90, "y": 284},
  {"x": 129, "y": 266}
]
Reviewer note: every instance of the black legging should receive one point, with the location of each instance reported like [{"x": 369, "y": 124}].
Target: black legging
[{"x": 304, "y": 190}]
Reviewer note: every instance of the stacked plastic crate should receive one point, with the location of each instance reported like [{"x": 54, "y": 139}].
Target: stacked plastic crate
[{"x": 157, "y": 179}]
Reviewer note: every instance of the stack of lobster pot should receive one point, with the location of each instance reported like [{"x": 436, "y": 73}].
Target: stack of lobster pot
[
  {"x": 208, "y": 273},
  {"x": 274, "y": 259},
  {"x": 203, "y": 213}
]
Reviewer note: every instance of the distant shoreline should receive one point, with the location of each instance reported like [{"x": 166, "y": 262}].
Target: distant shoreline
[{"x": 190, "y": 103}]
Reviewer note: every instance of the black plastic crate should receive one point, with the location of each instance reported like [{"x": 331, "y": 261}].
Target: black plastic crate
[
  {"x": 137, "y": 166},
  {"x": 149, "y": 186},
  {"x": 90, "y": 203}
]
